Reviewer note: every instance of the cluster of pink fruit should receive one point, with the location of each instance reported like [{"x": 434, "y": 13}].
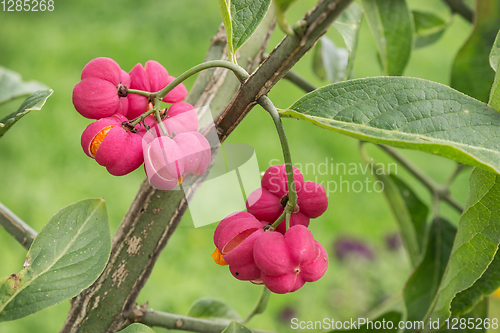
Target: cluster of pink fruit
[
  {"x": 281, "y": 259},
  {"x": 113, "y": 142}
]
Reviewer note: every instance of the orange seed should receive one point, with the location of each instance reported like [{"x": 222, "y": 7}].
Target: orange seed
[
  {"x": 98, "y": 138},
  {"x": 219, "y": 258}
]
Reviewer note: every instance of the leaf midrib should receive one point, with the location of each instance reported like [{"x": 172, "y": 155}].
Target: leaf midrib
[
  {"x": 363, "y": 126},
  {"x": 29, "y": 282}
]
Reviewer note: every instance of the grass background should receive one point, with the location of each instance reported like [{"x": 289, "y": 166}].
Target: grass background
[{"x": 43, "y": 168}]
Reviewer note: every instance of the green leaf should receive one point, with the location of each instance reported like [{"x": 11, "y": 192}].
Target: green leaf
[
  {"x": 476, "y": 242},
  {"x": 137, "y": 328},
  {"x": 480, "y": 312},
  {"x": 349, "y": 24},
  {"x": 33, "y": 102},
  {"x": 494, "y": 99},
  {"x": 407, "y": 113},
  {"x": 377, "y": 325},
  {"x": 280, "y": 7},
  {"x": 495, "y": 53},
  {"x": 423, "y": 284},
  {"x": 408, "y": 210},
  {"x": 428, "y": 28},
  {"x": 471, "y": 72},
  {"x": 225, "y": 11},
  {"x": 12, "y": 85},
  {"x": 329, "y": 61},
  {"x": 212, "y": 309},
  {"x": 391, "y": 25},
  {"x": 235, "y": 327},
  {"x": 466, "y": 300},
  {"x": 263, "y": 300},
  {"x": 241, "y": 18},
  {"x": 66, "y": 257}
]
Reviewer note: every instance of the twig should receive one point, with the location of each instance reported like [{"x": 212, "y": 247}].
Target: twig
[
  {"x": 278, "y": 63},
  {"x": 185, "y": 323},
  {"x": 299, "y": 81},
  {"x": 459, "y": 7},
  {"x": 460, "y": 167},
  {"x": 441, "y": 191},
  {"x": 19, "y": 229}
]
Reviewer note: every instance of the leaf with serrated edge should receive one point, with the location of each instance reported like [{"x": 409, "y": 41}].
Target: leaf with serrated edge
[
  {"x": 428, "y": 28},
  {"x": 66, "y": 257},
  {"x": 423, "y": 284},
  {"x": 12, "y": 85},
  {"x": 407, "y": 113},
  {"x": 213, "y": 309},
  {"x": 137, "y": 328},
  {"x": 235, "y": 327},
  {"x": 33, "y": 102},
  {"x": 471, "y": 72},
  {"x": 391, "y": 25},
  {"x": 482, "y": 288},
  {"x": 478, "y": 315},
  {"x": 476, "y": 242}
]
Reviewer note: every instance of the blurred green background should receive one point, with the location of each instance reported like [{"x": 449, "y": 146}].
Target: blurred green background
[{"x": 44, "y": 169}]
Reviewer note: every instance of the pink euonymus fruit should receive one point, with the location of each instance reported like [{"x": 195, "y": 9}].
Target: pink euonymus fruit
[
  {"x": 113, "y": 145},
  {"x": 102, "y": 89},
  {"x": 151, "y": 78},
  {"x": 167, "y": 160},
  {"x": 180, "y": 117},
  {"x": 288, "y": 261},
  {"x": 268, "y": 202},
  {"x": 234, "y": 239}
]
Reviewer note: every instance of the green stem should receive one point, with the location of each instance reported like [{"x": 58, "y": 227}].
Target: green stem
[
  {"x": 299, "y": 81},
  {"x": 139, "y": 92},
  {"x": 435, "y": 205},
  {"x": 460, "y": 167},
  {"x": 266, "y": 103},
  {"x": 442, "y": 190},
  {"x": 260, "y": 306},
  {"x": 279, "y": 220},
  {"x": 137, "y": 120},
  {"x": 458, "y": 6},
  {"x": 158, "y": 119},
  {"x": 19, "y": 229},
  {"x": 185, "y": 323},
  {"x": 240, "y": 73}
]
